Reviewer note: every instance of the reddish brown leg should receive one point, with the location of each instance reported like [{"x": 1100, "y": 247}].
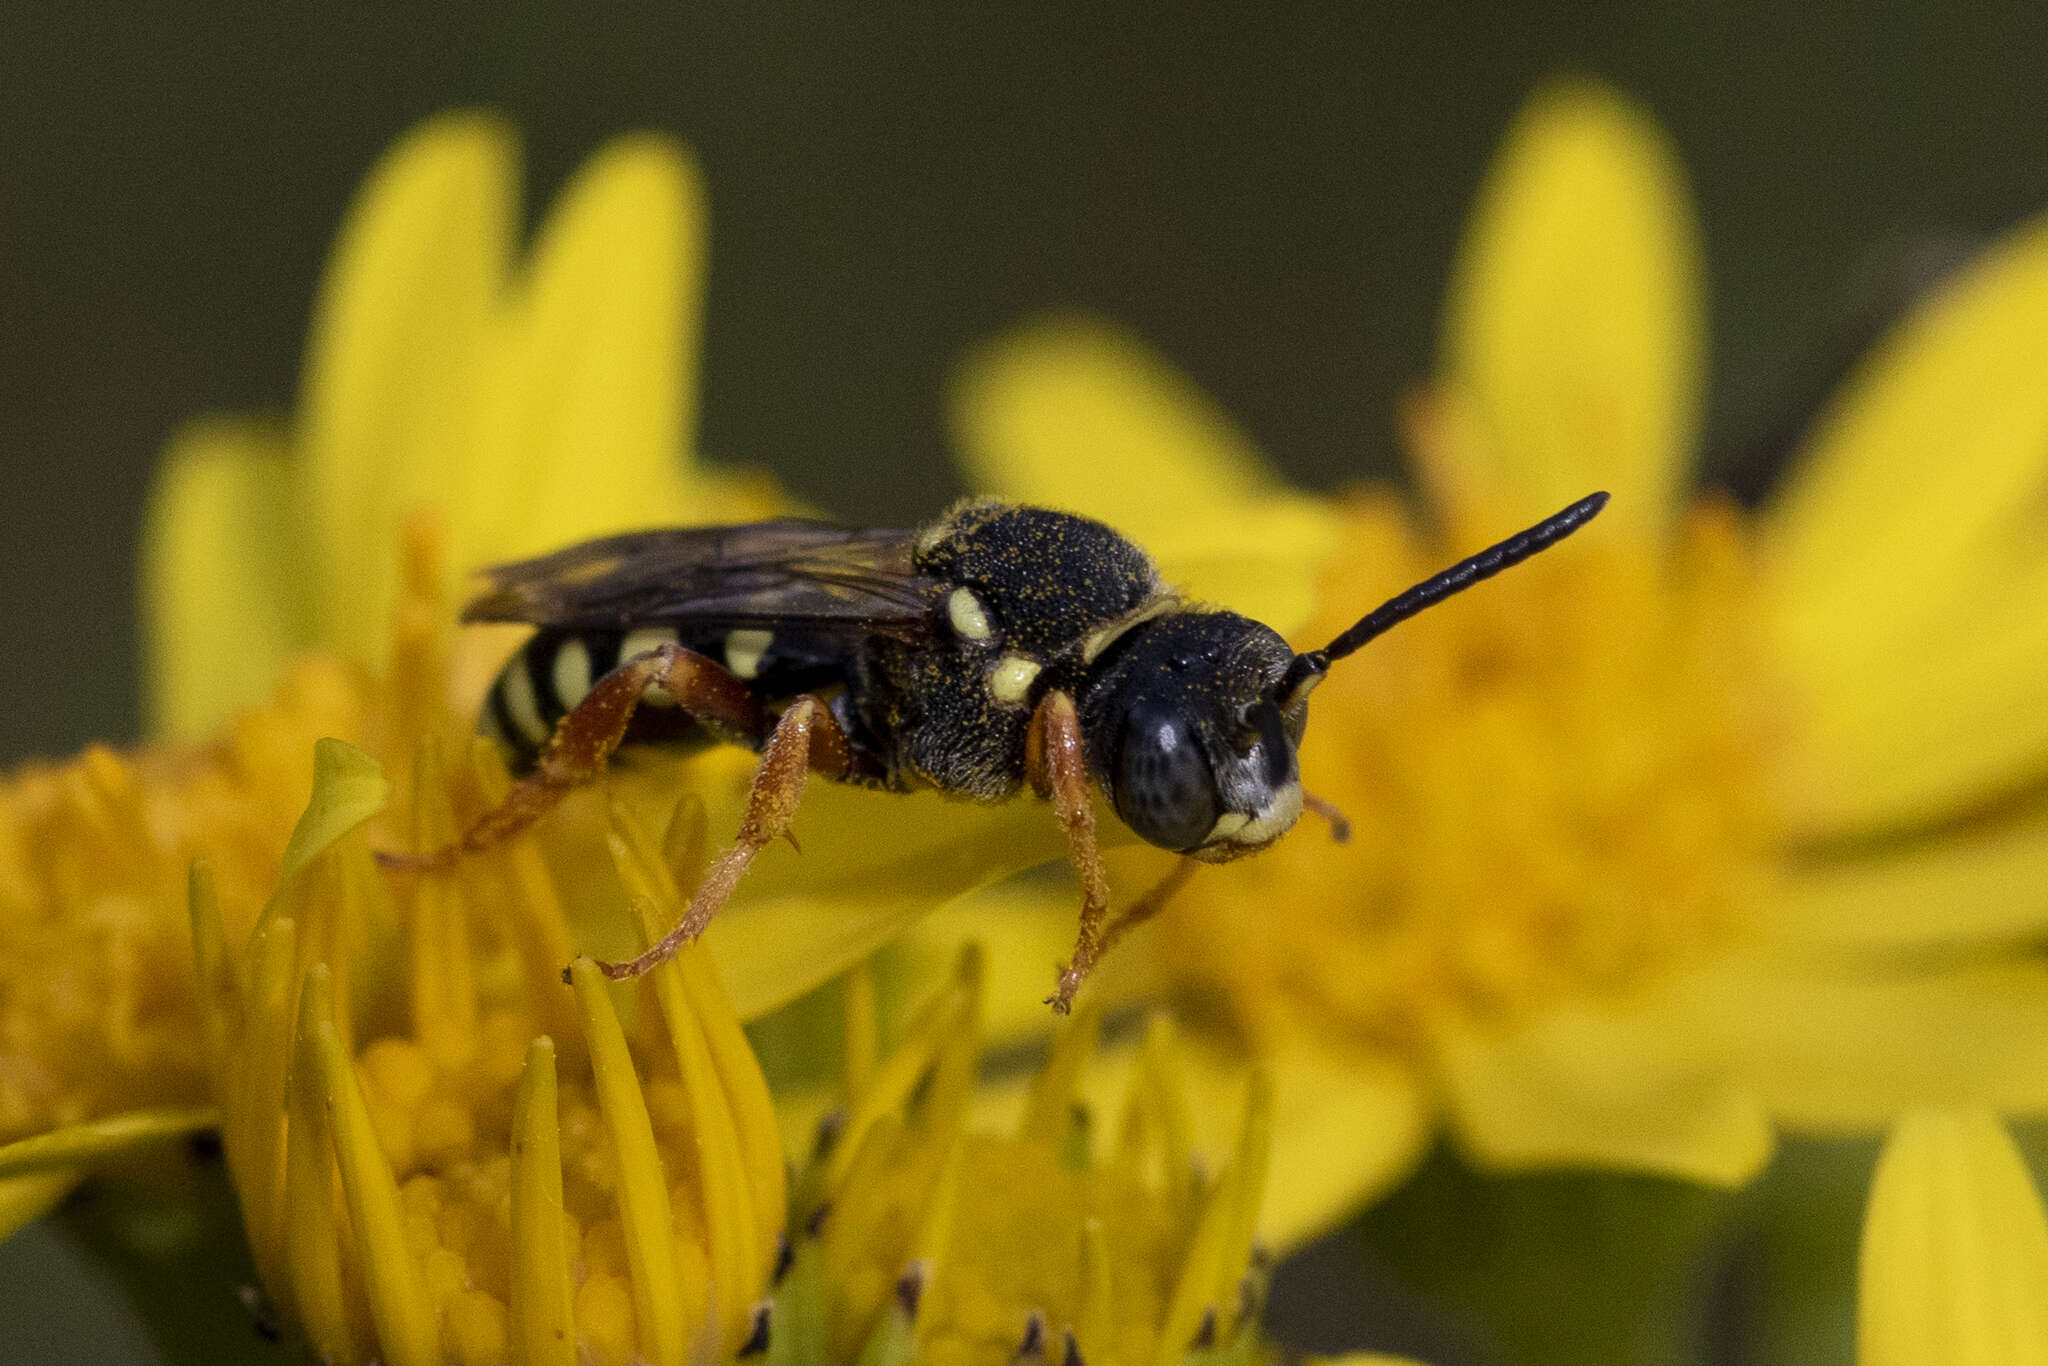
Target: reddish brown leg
[
  {"x": 1056, "y": 764},
  {"x": 1340, "y": 824},
  {"x": 808, "y": 736},
  {"x": 1148, "y": 905},
  {"x": 584, "y": 740}
]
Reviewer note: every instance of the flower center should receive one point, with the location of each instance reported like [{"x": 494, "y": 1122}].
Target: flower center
[{"x": 1556, "y": 785}]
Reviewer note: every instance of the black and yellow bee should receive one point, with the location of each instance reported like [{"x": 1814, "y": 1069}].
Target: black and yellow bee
[{"x": 999, "y": 646}]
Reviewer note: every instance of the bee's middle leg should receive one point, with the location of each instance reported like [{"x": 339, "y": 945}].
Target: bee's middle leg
[
  {"x": 808, "y": 736},
  {"x": 584, "y": 739}
]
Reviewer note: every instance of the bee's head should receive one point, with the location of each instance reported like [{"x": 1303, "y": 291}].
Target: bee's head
[
  {"x": 1204, "y": 711},
  {"x": 1202, "y": 752}
]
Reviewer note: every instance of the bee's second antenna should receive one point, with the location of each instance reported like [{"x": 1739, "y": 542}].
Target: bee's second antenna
[{"x": 1437, "y": 587}]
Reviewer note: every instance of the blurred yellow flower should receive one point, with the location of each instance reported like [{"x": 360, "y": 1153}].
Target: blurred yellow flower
[
  {"x": 1700, "y": 825},
  {"x": 1955, "y": 1249},
  {"x": 523, "y": 403},
  {"x": 1056, "y": 1240}
]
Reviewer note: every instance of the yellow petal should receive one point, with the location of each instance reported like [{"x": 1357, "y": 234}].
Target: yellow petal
[
  {"x": 1072, "y": 413},
  {"x": 1831, "y": 1051},
  {"x": 348, "y": 789},
  {"x": 872, "y": 864},
  {"x": 1596, "y": 1088},
  {"x": 30, "y": 1195},
  {"x": 587, "y": 427},
  {"x": 413, "y": 282},
  {"x": 1908, "y": 581},
  {"x": 1955, "y": 1249},
  {"x": 1977, "y": 888},
  {"x": 1574, "y": 326},
  {"x": 81, "y": 1146},
  {"x": 220, "y": 610}
]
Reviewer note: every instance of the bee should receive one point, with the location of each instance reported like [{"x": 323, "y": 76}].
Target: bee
[{"x": 998, "y": 647}]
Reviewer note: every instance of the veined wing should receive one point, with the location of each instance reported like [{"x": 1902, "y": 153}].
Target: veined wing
[{"x": 790, "y": 572}]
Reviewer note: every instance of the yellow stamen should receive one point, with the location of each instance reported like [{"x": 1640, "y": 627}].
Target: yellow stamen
[
  {"x": 858, "y": 1041},
  {"x": 398, "y": 1304},
  {"x": 315, "y": 1240},
  {"x": 543, "y": 1292},
  {"x": 642, "y": 1191},
  {"x": 443, "y": 992}
]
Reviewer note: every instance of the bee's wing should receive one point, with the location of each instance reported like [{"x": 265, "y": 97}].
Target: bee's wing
[{"x": 775, "y": 575}]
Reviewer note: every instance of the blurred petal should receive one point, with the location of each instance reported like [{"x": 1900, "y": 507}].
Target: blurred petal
[
  {"x": 30, "y": 1195},
  {"x": 348, "y": 788},
  {"x": 801, "y": 919},
  {"x": 1344, "y": 1130},
  {"x": 1830, "y": 1051},
  {"x": 1575, "y": 325},
  {"x": 1593, "y": 1088},
  {"x": 1955, "y": 1249},
  {"x": 1909, "y": 575},
  {"x": 1978, "y": 888},
  {"x": 218, "y": 617},
  {"x": 79, "y": 1146},
  {"x": 37, "y": 1172},
  {"x": 588, "y": 430},
  {"x": 1073, "y": 413},
  {"x": 411, "y": 288}
]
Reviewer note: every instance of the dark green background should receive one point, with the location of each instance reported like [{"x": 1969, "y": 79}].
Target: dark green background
[{"x": 1271, "y": 195}]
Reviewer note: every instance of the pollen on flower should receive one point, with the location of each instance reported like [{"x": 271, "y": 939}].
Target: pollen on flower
[
  {"x": 1558, "y": 784},
  {"x": 96, "y": 1004},
  {"x": 442, "y": 1154}
]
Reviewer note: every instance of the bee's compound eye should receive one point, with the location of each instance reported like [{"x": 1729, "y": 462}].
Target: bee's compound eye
[{"x": 1165, "y": 790}]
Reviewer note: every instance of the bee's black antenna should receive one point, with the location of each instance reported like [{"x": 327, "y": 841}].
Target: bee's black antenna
[{"x": 1437, "y": 587}]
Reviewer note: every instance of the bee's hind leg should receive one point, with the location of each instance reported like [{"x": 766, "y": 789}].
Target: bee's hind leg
[
  {"x": 584, "y": 739},
  {"x": 808, "y": 736}
]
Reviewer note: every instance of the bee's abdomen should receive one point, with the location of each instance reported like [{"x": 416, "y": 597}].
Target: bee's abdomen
[{"x": 554, "y": 671}]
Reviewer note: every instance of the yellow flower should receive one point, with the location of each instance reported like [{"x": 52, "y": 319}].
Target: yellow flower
[
  {"x": 1955, "y": 1249},
  {"x": 1700, "y": 825},
  {"x": 441, "y": 1154},
  {"x": 1058, "y": 1240},
  {"x": 524, "y": 404}
]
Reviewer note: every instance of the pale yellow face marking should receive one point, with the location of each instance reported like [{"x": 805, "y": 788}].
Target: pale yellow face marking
[
  {"x": 1011, "y": 678},
  {"x": 743, "y": 651},
  {"x": 571, "y": 672},
  {"x": 1108, "y": 635},
  {"x": 521, "y": 705},
  {"x": 964, "y": 610},
  {"x": 1234, "y": 827},
  {"x": 645, "y": 641}
]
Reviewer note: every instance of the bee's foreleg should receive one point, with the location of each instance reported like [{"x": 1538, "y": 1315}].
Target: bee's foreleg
[
  {"x": 1057, "y": 766},
  {"x": 1339, "y": 823},
  {"x": 1148, "y": 905},
  {"x": 807, "y": 737},
  {"x": 584, "y": 739}
]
